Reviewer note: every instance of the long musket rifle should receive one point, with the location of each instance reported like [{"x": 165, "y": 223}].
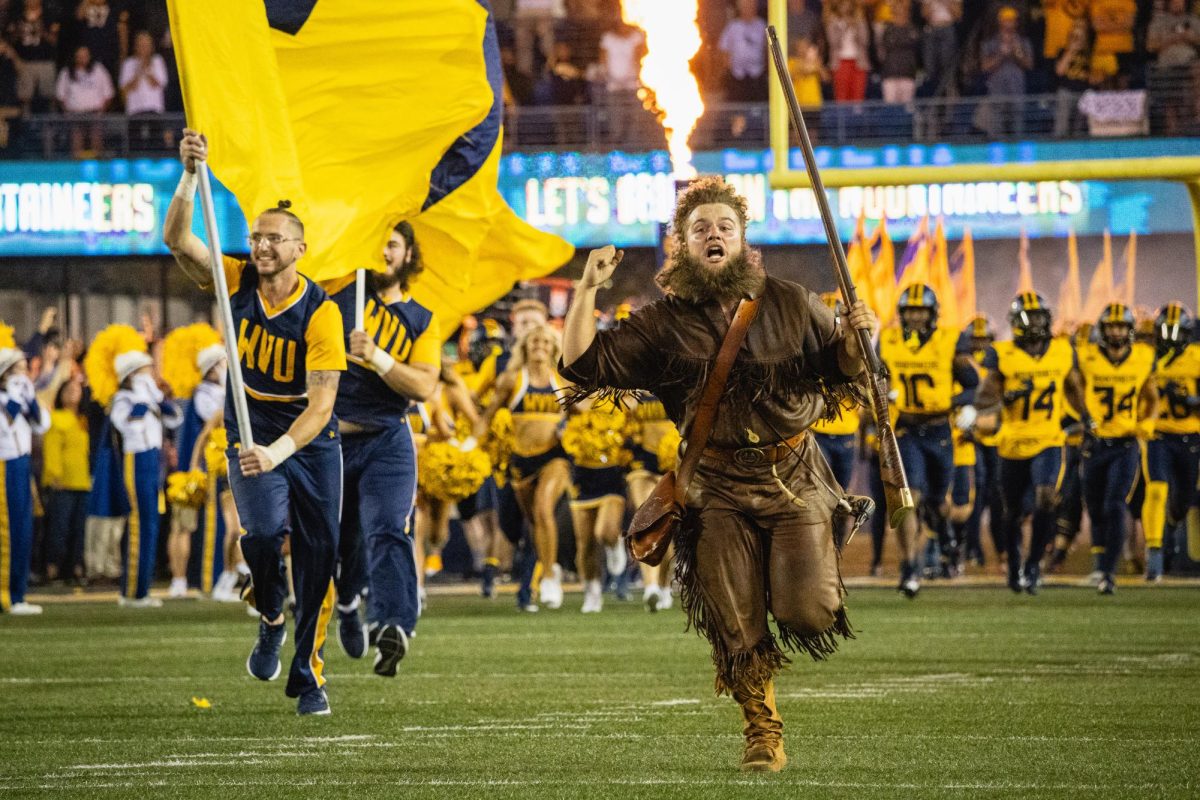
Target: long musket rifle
[{"x": 891, "y": 468}]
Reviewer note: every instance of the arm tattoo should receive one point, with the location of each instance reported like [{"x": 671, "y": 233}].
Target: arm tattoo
[{"x": 322, "y": 378}]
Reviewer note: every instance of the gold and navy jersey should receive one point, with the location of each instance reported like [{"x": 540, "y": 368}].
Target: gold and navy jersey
[
  {"x": 1031, "y": 420},
  {"x": 843, "y": 425},
  {"x": 406, "y": 330},
  {"x": 1177, "y": 374},
  {"x": 528, "y": 399},
  {"x": 922, "y": 374},
  {"x": 277, "y": 347},
  {"x": 1112, "y": 389}
]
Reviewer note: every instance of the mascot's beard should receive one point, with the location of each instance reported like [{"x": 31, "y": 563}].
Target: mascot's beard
[
  {"x": 690, "y": 279},
  {"x": 383, "y": 281}
]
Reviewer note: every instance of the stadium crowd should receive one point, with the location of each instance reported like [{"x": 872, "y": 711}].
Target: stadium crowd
[
  {"x": 109, "y": 56},
  {"x": 540, "y": 493}
]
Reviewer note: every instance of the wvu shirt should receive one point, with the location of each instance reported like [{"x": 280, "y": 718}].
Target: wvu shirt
[
  {"x": 1181, "y": 368},
  {"x": 406, "y": 330},
  {"x": 277, "y": 347},
  {"x": 844, "y": 424},
  {"x": 1032, "y": 422},
  {"x": 1112, "y": 389},
  {"x": 922, "y": 374}
]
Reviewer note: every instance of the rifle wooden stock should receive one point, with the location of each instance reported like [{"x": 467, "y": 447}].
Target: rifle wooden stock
[{"x": 891, "y": 468}]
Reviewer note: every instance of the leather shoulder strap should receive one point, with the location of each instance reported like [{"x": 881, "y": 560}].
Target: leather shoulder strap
[{"x": 710, "y": 397}]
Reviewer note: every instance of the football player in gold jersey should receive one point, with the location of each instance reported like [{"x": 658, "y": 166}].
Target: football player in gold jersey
[
  {"x": 925, "y": 364},
  {"x": 1028, "y": 379},
  {"x": 1121, "y": 403},
  {"x": 1173, "y": 454}
]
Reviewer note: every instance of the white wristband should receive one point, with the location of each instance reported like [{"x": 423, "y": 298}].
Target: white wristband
[
  {"x": 186, "y": 190},
  {"x": 382, "y": 361},
  {"x": 280, "y": 450}
]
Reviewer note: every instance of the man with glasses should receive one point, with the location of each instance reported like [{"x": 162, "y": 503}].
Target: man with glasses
[{"x": 292, "y": 352}]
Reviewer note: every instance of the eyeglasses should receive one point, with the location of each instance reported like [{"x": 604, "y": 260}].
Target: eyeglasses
[{"x": 273, "y": 239}]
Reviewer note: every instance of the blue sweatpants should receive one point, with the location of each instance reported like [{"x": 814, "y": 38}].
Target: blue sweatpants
[
  {"x": 301, "y": 497},
  {"x": 141, "y": 475},
  {"x": 207, "y": 560},
  {"x": 16, "y": 531},
  {"x": 1110, "y": 468},
  {"x": 380, "y": 492}
]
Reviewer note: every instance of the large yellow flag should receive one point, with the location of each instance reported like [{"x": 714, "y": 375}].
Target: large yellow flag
[
  {"x": 1025, "y": 275},
  {"x": 914, "y": 264},
  {"x": 352, "y": 109},
  {"x": 939, "y": 280},
  {"x": 858, "y": 260},
  {"x": 1070, "y": 304},
  {"x": 883, "y": 273},
  {"x": 962, "y": 272},
  {"x": 1100, "y": 290},
  {"x": 1128, "y": 293}
]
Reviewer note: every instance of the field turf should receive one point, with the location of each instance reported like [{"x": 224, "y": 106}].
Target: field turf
[{"x": 966, "y": 692}]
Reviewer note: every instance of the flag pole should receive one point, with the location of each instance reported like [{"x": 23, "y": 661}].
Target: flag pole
[
  {"x": 360, "y": 298},
  {"x": 237, "y": 388}
]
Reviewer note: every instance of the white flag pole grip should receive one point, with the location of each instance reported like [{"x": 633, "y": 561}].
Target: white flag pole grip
[{"x": 216, "y": 261}]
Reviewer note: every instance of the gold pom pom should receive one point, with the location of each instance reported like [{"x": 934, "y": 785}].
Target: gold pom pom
[
  {"x": 214, "y": 453},
  {"x": 98, "y": 363},
  {"x": 7, "y": 336},
  {"x": 668, "y": 450},
  {"x": 179, "y": 352},
  {"x": 445, "y": 472},
  {"x": 186, "y": 489},
  {"x": 596, "y": 438},
  {"x": 500, "y": 442}
]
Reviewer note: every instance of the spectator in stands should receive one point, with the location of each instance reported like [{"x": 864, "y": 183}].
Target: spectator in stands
[
  {"x": 104, "y": 31},
  {"x": 143, "y": 86},
  {"x": 940, "y": 44},
  {"x": 808, "y": 73},
  {"x": 67, "y": 481},
  {"x": 1073, "y": 68},
  {"x": 803, "y": 21},
  {"x": 1113, "y": 22},
  {"x": 533, "y": 25},
  {"x": 1005, "y": 59},
  {"x": 85, "y": 87},
  {"x": 35, "y": 42},
  {"x": 1173, "y": 36},
  {"x": 563, "y": 82},
  {"x": 744, "y": 44},
  {"x": 621, "y": 49},
  {"x": 898, "y": 45},
  {"x": 848, "y": 38},
  {"x": 518, "y": 86}
]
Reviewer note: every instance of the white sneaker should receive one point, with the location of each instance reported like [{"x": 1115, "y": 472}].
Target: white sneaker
[
  {"x": 665, "y": 600},
  {"x": 223, "y": 591},
  {"x": 652, "y": 597},
  {"x": 24, "y": 610},
  {"x": 550, "y": 592},
  {"x": 593, "y": 597},
  {"x": 178, "y": 588},
  {"x": 615, "y": 559},
  {"x": 1094, "y": 578},
  {"x": 141, "y": 602}
]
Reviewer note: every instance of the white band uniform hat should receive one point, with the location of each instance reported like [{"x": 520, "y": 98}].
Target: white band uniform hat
[
  {"x": 130, "y": 362},
  {"x": 209, "y": 357},
  {"x": 9, "y": 358}
]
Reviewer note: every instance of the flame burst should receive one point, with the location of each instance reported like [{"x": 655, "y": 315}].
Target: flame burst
[{"x": 671, "y": 91}]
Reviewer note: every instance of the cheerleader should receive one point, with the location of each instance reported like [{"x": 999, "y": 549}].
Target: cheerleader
[{"x": 655, "y": 450}]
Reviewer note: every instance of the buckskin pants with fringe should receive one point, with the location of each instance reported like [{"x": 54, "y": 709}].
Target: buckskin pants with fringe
[{"x": 747, "y": 548}]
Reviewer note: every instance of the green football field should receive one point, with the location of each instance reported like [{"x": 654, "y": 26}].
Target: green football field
[{"x": 966, "y": 692}]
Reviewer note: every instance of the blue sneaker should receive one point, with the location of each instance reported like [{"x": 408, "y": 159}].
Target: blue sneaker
[
  {"x": 391, "y": 646},
  {"x": 263, "y": 662},
  {"x": 313, "y": 703},
  {"x": 351, "y": 634}
]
